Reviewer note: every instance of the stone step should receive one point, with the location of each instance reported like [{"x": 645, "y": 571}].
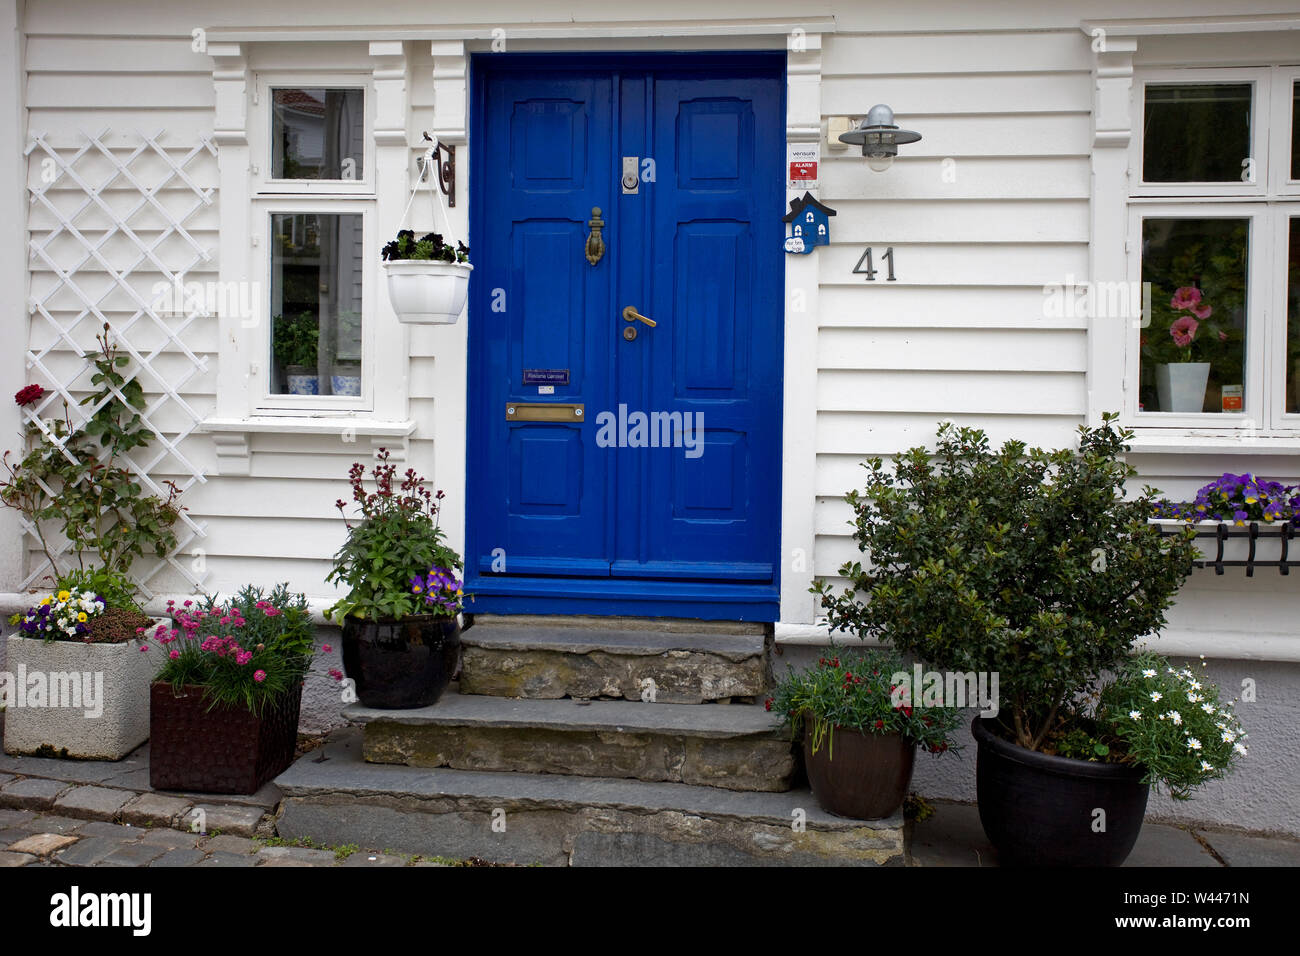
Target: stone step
[
  {"x": 736, "y": 747},
  {"x": 672, "y": 662},
  {"x": 565, "y": 821}
]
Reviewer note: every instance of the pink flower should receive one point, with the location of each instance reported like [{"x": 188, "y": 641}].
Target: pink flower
[
  {"x": 336, "y": 673},
  {"x": 225, "y": 620},
  {"x": 243, "y": 657},
  {"x": 1223, "y": 336},
  {"x": 272, "y": 612},
  {"x": 144, "y": 648},
  {"x": 187, "y": 603},
  {"x": 1203, "y": 312},
  {"x": 259, "y": 676},
  {"x": 1183, "y": 331},
  {"x": 1187, "y": 297},
  {"x": 326, "y": 648},
  {"x": 174, "y": 654}
]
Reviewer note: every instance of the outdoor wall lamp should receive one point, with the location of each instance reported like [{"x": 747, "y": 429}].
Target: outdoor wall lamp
[{"x": 879, "y": 137}]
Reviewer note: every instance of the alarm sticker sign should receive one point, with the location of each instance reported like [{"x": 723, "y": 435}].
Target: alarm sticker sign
[{"x": 803, "y": 164}]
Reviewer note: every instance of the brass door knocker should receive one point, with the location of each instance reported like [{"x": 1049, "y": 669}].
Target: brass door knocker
[{"x": 595, "y": 244}]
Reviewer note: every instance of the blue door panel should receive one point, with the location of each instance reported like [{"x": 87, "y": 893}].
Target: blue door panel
[{"x": 679, "y": 517}]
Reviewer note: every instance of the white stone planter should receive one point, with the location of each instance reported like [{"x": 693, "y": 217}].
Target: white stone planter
[
  {"x": 1181, "y": 386},
  {"x": 1268, "y": 546},
  {"x": 101, "y": 692},
  {"x": 427, "y": 293}
]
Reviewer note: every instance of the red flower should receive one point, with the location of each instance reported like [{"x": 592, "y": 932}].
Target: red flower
[
  {"x": 29, "y": 395},
  {"x": 880, "y": 724},
  {"x": 768, "y": 704}
]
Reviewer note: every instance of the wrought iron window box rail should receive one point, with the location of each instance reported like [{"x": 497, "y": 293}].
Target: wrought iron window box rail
[{"x": 1222, "y": 533}]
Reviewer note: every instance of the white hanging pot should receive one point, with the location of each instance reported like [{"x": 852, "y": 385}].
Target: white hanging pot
[
  {"x": 425, "y": 292},
  {"x": 1181, "y": 386}
]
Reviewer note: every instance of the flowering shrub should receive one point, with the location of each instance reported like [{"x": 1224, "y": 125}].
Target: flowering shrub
[
  {"x": 29, "y": 395},
  {"x": 441, "y": 590},
  {"x": 853, "y": 692},
  {"x": 1236, "y": 499},
  {"x": 428, "y": 247},
  {"x": 246, "y": 652},
  {"x": 1171, "y": 723},
  {"x": 396, "y": 540},
  {"x": 65, "y": 615}
]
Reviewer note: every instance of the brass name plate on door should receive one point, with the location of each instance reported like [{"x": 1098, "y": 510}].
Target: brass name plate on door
[{"x": 543, "y": 412}]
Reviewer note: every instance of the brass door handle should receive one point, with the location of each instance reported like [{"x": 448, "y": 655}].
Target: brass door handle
[{"x": 632, "y": 315}]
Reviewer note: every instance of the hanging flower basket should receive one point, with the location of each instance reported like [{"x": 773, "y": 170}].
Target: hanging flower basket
[{"x": 425, "y": 292}]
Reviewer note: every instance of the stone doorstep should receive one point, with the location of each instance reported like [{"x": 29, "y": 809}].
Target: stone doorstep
[
  {"x": 561, "y": 820},
  {"x": 736, "y": 748},
  {"x": 550, "y": 662}
]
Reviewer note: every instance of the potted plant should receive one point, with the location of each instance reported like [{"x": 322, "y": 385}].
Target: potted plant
[
  {"x": 400, "y": 616},
  {"x": 73, "y": 485},
  {"x": 859, "y": 733},
  {"x": 345, "y": 365},
  {"x": 1181, "y": 382},
  {"x": 1033, "y": 565},
  {"x": 295, "y": 342},
  {"x": 428, "y": 280},
  {"x": 1234, "y": 500},
  {"x": 224, "y": 705}
]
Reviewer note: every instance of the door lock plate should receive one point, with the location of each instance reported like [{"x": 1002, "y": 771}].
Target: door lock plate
[
  {"x": 629, "y": 333},
  {"x": 631, "y": 175}
]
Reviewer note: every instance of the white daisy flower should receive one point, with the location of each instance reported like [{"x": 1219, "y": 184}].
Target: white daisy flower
[
  {"x": 1240, "y": 748},
  {"x": 1195, "y": 685},
  {"x": 1206, "y": 765},
  {"x": 1156, "y": 695},
  {"x": 1208, "y": 708},
  {"x": 1176, "y": 717},
  {"x": 1228, "y": 737},
  {"x": 1134, "y": 714},
  {"x": 1195, "y": 698},
  {"x": 1149, "y": 672},
  {"x": 1193, "y": 743}
]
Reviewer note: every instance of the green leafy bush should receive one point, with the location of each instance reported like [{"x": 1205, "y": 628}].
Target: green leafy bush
[
  {"x": 295, "y": 341},
  {"x": 1024, "y": 562},
  {"x": 394, "y": 546},
  {"x": 74, "y": 479}
]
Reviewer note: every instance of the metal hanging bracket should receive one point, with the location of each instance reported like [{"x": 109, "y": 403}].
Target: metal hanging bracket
[{"x": 446, "y": 167}]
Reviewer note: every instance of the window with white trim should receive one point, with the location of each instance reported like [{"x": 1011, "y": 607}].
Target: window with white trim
[
  {"x": 1214, "y": 228},
  {"x": 313, "y": 206}
]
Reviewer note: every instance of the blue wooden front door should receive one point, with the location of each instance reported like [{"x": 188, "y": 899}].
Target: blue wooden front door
[{"x": 657, "y": 489}]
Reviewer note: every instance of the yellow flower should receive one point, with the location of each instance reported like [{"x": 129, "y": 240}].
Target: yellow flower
[
  {"x": 46, "y": 600},
  {"x": 81, "y": 617},
  {"x": 64, "y": 595}
]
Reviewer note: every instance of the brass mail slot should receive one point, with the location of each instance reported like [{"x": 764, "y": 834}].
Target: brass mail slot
[{"x": 543, "y": 412}]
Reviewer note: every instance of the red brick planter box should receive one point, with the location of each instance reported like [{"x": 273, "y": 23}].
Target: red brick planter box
[{"x": 225, "y": 749}]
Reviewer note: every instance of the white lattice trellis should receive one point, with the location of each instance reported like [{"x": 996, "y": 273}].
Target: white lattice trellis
[{"x": 59, "y": 168}]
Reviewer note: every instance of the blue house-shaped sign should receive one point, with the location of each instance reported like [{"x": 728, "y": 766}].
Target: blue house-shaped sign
[{"x": 809, "y": 224}]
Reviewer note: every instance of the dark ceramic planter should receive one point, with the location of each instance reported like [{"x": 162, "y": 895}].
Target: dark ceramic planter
[
  {"x": 859, "y": 775},
  {"x": 397, "y": 665},
  {"x": 226, "y": 749},
  {"x": 1039, "y": 810}
]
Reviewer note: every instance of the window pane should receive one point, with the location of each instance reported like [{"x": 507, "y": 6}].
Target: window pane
[
  {"x": 1194, "y": 348},
  {"x": 1293, "y": 320},
  {"x": 316, "y": 304},
  {"x": 1196, "y": 133},
  {"x": 1295, "y": 131},
  {"x": 317, "y": 133}
]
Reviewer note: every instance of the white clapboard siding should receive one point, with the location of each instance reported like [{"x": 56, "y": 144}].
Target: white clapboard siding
[
  {"x": 973, "y": 220},
  {"x": 952, "y": 350},
  {"x": 923, "y": 177},
  {"x": 866, "y": 57},
  {"x": 978, "y": 263},
  {"x": 939, "y": 306}
]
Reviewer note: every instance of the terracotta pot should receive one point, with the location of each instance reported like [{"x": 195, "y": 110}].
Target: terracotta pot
[
  {"x": 1040, "y": 810},
  {"x": 225, "y": 749},
  {"x": 400, "y": 664},
  {"x": 859, "y": 775}
]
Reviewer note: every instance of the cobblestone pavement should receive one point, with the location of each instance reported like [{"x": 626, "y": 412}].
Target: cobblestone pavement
[{"x": 32, "y": 838}]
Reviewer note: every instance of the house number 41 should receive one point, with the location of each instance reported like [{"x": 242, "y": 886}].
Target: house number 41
[{"x": 870, "y": 270}]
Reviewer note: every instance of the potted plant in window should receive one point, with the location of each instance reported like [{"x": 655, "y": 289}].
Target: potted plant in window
[
  {"x": 428, "y": 280},
  {"x": 74, "y": 483},
  {"x": 224, "y": 705},
  {"x": 1033, "y": 565},
  {"x": 1180, "y": 382},
  {"x": 859, "y": 733},
  {"x": 295, "y": 342},
  {"x": 400, "y": 617}
]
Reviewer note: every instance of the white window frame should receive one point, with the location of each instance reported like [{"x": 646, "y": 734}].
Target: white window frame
[
  {"x": 260, "y": 140},
  {"x": 1261, "y": 117},
  {"x": 1269, "y": 203},
  {"x": 265, "y": 401}
]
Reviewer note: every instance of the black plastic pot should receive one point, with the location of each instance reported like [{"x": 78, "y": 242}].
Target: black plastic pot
[
  {"x": 1039, "y": 810},
  {"x": 400, "y": 664},
  {"x": 859, "y": 775}
]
